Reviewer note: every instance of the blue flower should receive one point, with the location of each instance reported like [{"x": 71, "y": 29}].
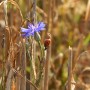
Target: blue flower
[{"x": 30, "y": 31}]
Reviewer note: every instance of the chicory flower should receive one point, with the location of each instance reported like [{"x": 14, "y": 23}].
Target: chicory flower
[{"x": 30, "y": 31}]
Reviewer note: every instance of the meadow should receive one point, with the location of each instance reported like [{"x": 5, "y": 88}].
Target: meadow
[{"x": 44, "y": 45}]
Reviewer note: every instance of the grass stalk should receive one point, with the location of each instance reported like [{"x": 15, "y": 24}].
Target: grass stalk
[
  {"x": 33, "y": 43},
  {"x": 70, "y": 68},
  {"x": 47, "y": 67},
  {"x": 23, "y": 61},
  {"x": 9, "y": 80},
  {"x": 5, "y": 12},
  {"x": 3, "y": 64}
]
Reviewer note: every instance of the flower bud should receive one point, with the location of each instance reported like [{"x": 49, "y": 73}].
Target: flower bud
[{"x": 37, "y": 36}]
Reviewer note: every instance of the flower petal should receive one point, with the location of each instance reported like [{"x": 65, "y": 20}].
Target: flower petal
[
  {"x": 30, "y": 31},
  {"x": 25, "y": 30},
  {"x": 39, "y": 29},
  {"x": 30, "y": 26},
  {"x": 26, "y": 34},
  {"x": 41, "y": 24}
]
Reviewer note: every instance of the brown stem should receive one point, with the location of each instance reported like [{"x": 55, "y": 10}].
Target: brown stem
[
  {"x": 23, "y": 62},
  {"x": 47, "y": 67},
  {"x": 9, "y": 79}
]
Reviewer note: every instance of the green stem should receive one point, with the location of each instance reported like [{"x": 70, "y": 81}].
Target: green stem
[
  {"x": 42, "y": 49},
  {"x": 41, "y": 65}
]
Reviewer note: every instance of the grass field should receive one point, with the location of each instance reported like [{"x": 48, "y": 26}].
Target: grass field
[{"x": 44, "y": 45}]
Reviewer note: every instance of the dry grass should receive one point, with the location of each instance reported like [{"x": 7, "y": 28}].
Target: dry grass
[{"x": 26, "y": 65}]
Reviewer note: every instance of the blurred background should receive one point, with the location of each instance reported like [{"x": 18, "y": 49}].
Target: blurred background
[{"x": 68, "y": 23}]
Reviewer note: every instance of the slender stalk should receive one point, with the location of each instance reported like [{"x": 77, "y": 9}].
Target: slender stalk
[
  {"x": 32, "y": 16},
  {"x": 33, "y": 42},
  {"x": 3, "y": 65},
  {"x": 41, "y": 66},
  {"x": 9, "y": 80},
  {"x": 5, "y": 12},
  {"x": 23, "y": 61},
  {"x": 18, "y": 63},
  {"x": 70, "y": 69},
  {"x": 47, "y": 67},
  {"x": 28, "y": 45},
  {"x": 34, "y": 11},
  {"x": 33, "y": 57},
  {"x": 50, "y": 15}
]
